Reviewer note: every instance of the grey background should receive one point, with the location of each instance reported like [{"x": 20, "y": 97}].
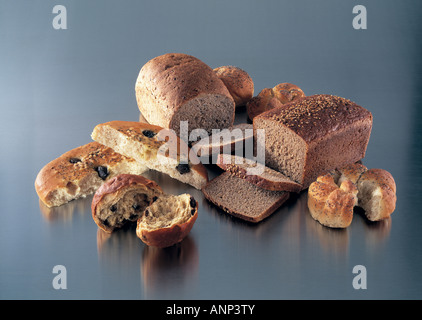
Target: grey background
[{"x": 56, "y": 85}]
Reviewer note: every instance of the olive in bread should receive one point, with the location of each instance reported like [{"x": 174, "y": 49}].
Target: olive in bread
[
  {"x": 80, "y": 172},
  {"x": 168, "y": 220},
  {"x": 122, "y": 200},
  {"x": 238, "y": 82},
  {"x": 148, "y": 144}
]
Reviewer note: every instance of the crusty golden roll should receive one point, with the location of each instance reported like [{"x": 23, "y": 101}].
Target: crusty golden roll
[
  {"x": 238, "y": 82},
  {"x": 270, "y": 98},
  {"x": 330, "y": 204},
  {"x": 332, "y": 197},
  {"x": 377, "y": 194}
]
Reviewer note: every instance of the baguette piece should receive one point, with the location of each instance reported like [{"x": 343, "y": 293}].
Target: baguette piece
[
  {"x": 80, "y": 172},
  {"x": 226, "y": 140},
  {"x": 154, "y": 147},
  {"x": 168, "y": 220},
  {"x": 242, "y": 199},
  {"x": 177, "y": 87},
  {"x": 313, "y": 135},
  {"x": 256, "y": 173},
  {"x": 238, "y": 82},
  {"x": 122, "y": 200}
]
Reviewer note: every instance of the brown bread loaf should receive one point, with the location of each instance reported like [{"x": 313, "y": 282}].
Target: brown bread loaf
[
  {"x": 312, "y": 135},
  {"x": 177, "y": 87}
]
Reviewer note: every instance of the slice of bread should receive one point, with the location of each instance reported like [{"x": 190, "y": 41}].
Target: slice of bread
[
  {"x": 80, "y": 172},
  {"x": 226, "y": 140},
  {"x": 257, "y": 173},
  {"x": 168, "y": 220},
  {"x": 154, "y": 147},
  {"x": 242, "y": 199}
]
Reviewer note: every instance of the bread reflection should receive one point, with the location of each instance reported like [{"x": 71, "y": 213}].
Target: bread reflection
[
  {"x": 65, "y": 212},
  {"x": 165, "y": 268}
]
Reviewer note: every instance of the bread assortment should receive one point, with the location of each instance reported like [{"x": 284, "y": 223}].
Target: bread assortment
[
  {"x": 309, "y": 142},
  {"x": 333, "y": 196}
]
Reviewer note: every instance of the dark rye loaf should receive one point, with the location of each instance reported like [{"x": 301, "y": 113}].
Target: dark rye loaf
[
  {"x": 178, "y": 87},
  {"x": 315, "y": 134}
]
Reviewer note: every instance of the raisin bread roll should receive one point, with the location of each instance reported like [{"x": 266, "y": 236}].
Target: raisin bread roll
[
  {"x": 177, "y": 87},
  {"x": 270, "y": 98},
  {"x": 154, "y": 147},
  {"x": 122, "y": 200},
  {"x": 168, "y": 220},
  {"x": 80, "y": 172},
  {"x": 313, "y": 135},
  {"x": 238, "y": 82}
]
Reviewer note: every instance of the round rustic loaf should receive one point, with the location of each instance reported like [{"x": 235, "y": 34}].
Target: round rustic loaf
[
  {"x": 177, "y": 87},
  {"x": 238, "y": 82}
]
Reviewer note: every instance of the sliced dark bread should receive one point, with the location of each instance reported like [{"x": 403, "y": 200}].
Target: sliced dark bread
[
  {"x": 226, "y": 140},
  {"x": 242, "y": 199},
  {"x": 257, "y": 173}
]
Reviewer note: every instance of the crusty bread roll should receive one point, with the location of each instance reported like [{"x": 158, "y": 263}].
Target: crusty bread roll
[
  {"x": 168, "y": 220},
  {"x": 122, "y": 200},
  {"x": 312, "y": 135},
  {"x": 147, "y": 143},
  {"x": 80, "y": 172},
  {"x": 270, "y": 98},
  {"x": 238, "y": 82},
  {"x": 333, "y": 196},
  {"x": 330, "y": 204},
  {"x": 377, "y": 194},
  {"x": 177, "y": 87}
]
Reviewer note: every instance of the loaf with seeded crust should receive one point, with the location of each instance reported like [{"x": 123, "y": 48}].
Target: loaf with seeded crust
[
  {"x": 177, "y": 87},
  {"x": 313, "y": 135}
]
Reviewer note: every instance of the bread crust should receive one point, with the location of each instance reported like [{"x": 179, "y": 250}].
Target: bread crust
[
  {"x": 167, "y": 236},
  {"x": 238, "y": 82},
  {"x": 270, "y": 98},
  {"x": 167, "y": 82},
  {"x": 118, "y": 185},
  {"x": 76, "y": 165}
]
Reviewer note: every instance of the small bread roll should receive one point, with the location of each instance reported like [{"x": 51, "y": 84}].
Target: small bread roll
[
  {"x": 238, "y": 82},
  {"x": 168, "y": 220},
  {"x": 377, "y": 194},
  {"x": 270, "y": 98}
]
